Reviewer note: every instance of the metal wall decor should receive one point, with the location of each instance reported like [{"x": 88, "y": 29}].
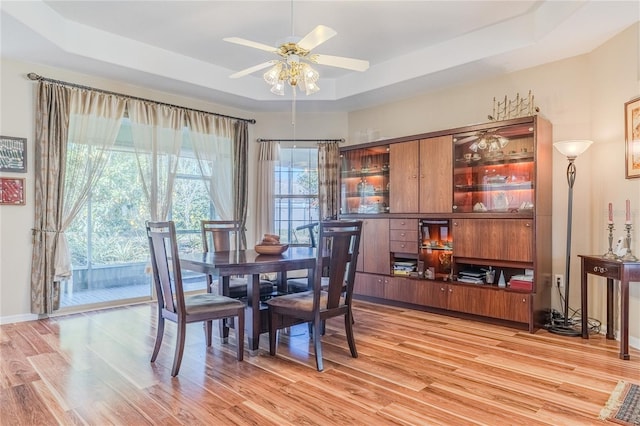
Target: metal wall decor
[
  {"x": 13, "y": 154},
  {"x": 513, "y": 108}
]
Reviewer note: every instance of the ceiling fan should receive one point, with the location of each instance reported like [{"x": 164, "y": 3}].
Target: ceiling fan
[{"x": 293, "y": 66}]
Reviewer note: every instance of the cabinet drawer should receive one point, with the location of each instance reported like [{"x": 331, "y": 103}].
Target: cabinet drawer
[
  {"x": 403, "y": 235},
  {"x": 403, "y": 224},
  {"x": 403, "y": 246}
]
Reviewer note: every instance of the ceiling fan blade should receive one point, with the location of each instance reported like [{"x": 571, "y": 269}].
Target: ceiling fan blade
[
  {"x": 340, "y": 62},
  {"x": 316, "y": 37},
  {"x": 249, "y": 43},
  {"x": 253, "y": 69}
]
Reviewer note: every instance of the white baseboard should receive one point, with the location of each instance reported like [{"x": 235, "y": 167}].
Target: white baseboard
[
  {"x": 634, "y": 342},
  {"x": 18, "y": 318}
]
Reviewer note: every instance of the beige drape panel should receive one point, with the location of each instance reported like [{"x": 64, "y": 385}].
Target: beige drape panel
[
  {"x": 240, "y": 180},
  {"x": 268, "y": 155},
  {"x": 94, "y": 123},
  {"x": 212, "y": 142},
  {"x": 157, "y": 132},
  {"x": 52, "y": 122},
  {"x": 328, "y": 179}
]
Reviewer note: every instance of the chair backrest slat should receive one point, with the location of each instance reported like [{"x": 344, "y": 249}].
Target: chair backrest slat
[
  {"x": 217, "y": 235},
  {"x": 165, "y": 262},
  {"x": 340, "y": 240}
]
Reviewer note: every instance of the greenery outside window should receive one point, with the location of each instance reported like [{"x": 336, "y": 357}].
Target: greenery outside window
[{"x": 109, "y": 249}]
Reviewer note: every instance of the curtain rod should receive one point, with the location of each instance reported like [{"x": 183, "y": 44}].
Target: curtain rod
[
  {"x": 299, "y": 140},
  {"x": 34, "y": 76}
]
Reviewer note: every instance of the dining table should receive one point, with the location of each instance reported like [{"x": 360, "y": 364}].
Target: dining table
[{"x": 252, "y": 264}]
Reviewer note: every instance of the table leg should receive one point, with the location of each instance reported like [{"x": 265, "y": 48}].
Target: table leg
[
  {"x": 223, "y": 290},
  {"x": 610, "y": 309},
  {"x": 252, "y": 317},
  {"x": 584, "y": 301},
  {"x": 624, "y": 319}
]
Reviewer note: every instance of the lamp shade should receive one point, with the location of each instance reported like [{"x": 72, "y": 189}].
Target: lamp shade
[{"x": 572, "y": 148}]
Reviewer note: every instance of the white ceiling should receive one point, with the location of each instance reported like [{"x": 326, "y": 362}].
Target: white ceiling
[{"x": 413, "y": 46}]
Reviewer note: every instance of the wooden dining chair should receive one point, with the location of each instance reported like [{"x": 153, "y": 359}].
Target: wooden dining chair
[
  {"x": 218, "y": 235},
  {"x": 172, "y": 303},
  {"x": 299, "y": 279},
  {"x": 338, "y": 242}
]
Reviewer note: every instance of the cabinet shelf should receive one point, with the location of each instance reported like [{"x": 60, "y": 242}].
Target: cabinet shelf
[
  {"x": 361, "y": 173},
  {"x": 442, "y": 248},
  {"x": 367, "y": 194},
  {"x": 498, "y": 159},
  {"x": 495, "y": 187}
]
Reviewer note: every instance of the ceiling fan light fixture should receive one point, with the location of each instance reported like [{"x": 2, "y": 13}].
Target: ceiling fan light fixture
[
  {"x": 278, "y": 88},
  {"x": 273, "y": 75}
]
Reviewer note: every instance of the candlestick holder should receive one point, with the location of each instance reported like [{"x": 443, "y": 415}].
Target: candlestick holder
[
  {"x": 610, "y": 254},
  {"x": 628, "y": 257}
]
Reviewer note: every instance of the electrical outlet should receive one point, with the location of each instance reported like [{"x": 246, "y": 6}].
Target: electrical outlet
[{"x": 559, "y": 280}]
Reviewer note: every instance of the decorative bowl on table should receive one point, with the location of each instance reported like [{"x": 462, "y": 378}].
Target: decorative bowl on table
[{"x": 271, "y": 248}]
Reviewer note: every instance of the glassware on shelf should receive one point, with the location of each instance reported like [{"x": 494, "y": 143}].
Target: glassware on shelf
[
  {"x": 364, "y": 182},
  {"x": 493, "y": 171}
]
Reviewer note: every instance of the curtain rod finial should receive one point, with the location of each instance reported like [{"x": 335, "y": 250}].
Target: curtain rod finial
[{"x": 33, "y": 76}]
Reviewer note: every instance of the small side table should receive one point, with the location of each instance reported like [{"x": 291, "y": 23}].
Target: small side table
[{"x": 611, "y": 270}]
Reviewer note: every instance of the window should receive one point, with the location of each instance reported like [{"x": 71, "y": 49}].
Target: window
[
  {"x": 107, "y": 241},
  {"x": 296, "y": 193}
]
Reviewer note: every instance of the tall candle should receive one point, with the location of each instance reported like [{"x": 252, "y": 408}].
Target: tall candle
[
  {"x": 610, "y": 213},
  {"x": 628, "y": 222}
]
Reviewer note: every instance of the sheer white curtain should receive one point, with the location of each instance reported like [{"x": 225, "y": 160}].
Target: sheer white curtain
[
  {"x": 268, "y": 154},
  {"x": 212, "y": 141},
  {"x": 94, "y": 122},
  {"x": 157, "y": 132}
]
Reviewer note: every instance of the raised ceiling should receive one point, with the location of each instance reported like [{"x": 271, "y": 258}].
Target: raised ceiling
[{"x": 413, "y": 46}]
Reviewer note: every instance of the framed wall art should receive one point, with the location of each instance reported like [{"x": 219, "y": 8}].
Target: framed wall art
[
  {"x": 13, "y": 154},
  {"x": 12, "y": 191},
  {"x": 632, "y": 138}
]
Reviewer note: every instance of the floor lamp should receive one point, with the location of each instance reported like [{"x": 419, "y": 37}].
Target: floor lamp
[{"x": 571, "y": 149}]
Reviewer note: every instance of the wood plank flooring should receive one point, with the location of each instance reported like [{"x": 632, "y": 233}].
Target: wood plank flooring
[{"x": 414, "y": 368}]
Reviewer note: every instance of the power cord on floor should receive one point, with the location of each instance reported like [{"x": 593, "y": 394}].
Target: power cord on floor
[{"x": 573, "y": 326}]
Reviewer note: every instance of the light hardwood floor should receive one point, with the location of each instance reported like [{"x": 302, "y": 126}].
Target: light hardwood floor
[{"x": 414, "y": 368}]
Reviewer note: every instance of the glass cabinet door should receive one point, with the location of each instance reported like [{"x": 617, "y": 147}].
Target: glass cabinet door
[
  {"x": 494, "y": 170},
  {"x": 364, "y": 183}
]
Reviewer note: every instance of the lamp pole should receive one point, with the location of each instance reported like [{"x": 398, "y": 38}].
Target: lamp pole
[
  {"x": 571, "y": 179},
  {"x": 571, "y": 149}
]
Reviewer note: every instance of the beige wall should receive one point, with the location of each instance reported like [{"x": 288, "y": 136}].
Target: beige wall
[{"x": 583, "y": 97}]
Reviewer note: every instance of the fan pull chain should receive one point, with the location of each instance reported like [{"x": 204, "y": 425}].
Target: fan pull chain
[{"x": 293, "y": 107}]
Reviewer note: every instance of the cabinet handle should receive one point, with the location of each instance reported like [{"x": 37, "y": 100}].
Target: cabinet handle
[
  {"x": 402, "y": 245},
  {"x": 402, "y": 223},
  {"x": 524, "y": 300},
  {"x": 455, "y": 223},
  {"x": 402, "y": 234},
  {"x": 450, "y": 290},
  {"x": 441, "y": 288},
  {"x": 528, "y": 225}
]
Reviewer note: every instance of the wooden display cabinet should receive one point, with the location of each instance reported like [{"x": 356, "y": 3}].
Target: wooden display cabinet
[
  {"x": 469, "y": 200},
  {"x": 364, "y": 183},
  {"x": 494, "y": 170}
]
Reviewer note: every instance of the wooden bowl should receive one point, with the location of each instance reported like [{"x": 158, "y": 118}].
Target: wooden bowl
[{"x": 271, "y": 248}]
